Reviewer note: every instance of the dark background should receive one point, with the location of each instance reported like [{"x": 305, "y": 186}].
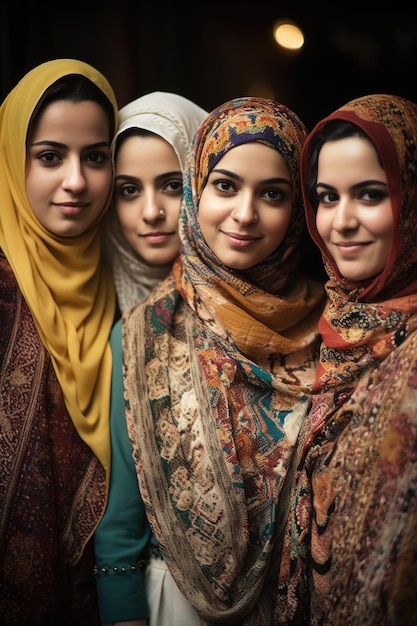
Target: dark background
[{"x": 214, "y": 51}]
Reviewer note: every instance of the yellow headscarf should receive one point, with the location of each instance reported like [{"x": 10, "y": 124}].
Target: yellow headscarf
[{"x": 69, "y": 292}]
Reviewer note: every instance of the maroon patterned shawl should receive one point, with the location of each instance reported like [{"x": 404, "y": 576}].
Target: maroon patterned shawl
[{"x": 52, "y": 487}]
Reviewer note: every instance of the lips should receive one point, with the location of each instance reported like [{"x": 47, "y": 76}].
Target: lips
[
  {"x": 156, "y": 238},
  {"x": 350, "y": 247},
  {"x": 71, "y": 208},
  {"x": 240, "y": 240}
]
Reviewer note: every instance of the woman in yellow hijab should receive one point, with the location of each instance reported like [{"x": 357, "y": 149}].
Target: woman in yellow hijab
[{"x": 57, "y": 306}]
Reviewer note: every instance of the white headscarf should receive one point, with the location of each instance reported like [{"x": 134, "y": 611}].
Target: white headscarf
[{"x": 175, "y": 119}]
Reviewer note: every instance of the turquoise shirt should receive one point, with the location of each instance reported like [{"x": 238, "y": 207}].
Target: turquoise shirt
[{"x": 123, "y": 536}]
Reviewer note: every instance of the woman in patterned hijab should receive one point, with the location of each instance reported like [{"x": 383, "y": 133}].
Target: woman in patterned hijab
[
  {"x": 218, "y": 369},
  {"x": 350, "y": 545}
]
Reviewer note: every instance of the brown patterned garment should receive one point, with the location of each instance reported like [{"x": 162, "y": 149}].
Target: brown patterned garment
[
  {"x": 219, "y": 367},
  {"x": 52, "y": 487},
  {"x": 350, "y": 554}
]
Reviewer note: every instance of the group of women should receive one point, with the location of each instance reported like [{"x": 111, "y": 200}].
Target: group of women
[{"x": 194, "y": 430}]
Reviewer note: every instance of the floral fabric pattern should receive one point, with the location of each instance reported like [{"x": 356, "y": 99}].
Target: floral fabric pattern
[
  {"x": 218, "y": 370},
  {"x": 349, "y": 553}
]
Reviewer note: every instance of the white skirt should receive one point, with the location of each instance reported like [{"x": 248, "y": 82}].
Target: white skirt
[{"x": 167, "y": 605}]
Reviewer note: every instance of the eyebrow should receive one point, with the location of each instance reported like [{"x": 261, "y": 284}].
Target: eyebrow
[
  {"x": 363, "y": 183},
  {"x": 268, "y": 181},
  {"x": 163, "y": 176},
  {"x": 57, "y": 144}
]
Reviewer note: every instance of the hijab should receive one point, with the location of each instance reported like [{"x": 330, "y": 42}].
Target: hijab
[
  {"x": 365, "y": 320},
  {"x": 175, "y": 119},
  {"x": 67, "y": 289},
  {"x": 246, "y": 302},
  {"x": 218, "y": 368}
]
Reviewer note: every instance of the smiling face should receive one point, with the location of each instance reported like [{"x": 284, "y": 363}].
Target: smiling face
[
  {"x": 148, "y": 189},
  {"x": 246, "y": 206},
  {"x": 68, "y": 167},
  {"x": 354, "y": 215}
]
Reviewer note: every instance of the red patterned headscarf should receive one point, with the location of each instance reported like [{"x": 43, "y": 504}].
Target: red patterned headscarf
[
  {"x": 391, "y": 124},
  {"x": 365, "y": 320}
]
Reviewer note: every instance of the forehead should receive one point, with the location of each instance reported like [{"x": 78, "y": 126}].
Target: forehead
[
  {"x": 150, "y": 152},
  {"x": 62, "y": 118},
  {"x": 347, "y": 158}
]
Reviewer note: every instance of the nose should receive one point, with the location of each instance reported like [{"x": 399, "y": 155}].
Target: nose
[
  {"x": 345, "y": 217},
  {"x": 74, "y": 178},
  {"x": 245, "y": 209},
  {"x": 152, "y": 209}
]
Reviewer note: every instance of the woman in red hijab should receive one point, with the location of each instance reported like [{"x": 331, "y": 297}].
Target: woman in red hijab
[{"x": 351, "y": 544}]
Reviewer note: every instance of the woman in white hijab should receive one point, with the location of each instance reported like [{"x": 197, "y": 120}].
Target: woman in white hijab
[
  {"x": 142, "y": 241},
  {"x": 149, "y": 152}
]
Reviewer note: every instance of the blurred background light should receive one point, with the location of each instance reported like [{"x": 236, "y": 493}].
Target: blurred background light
[{"x": 288, "y": 35}]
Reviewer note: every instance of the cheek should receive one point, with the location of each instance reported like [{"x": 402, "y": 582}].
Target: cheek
[
  {"x": 277, "y": 226},
  {"x": 173, "y": 206},
  {"x": 213, "y": 210},
  {"x": 322, "y": 223},
  {"x": 34, "y": 184},
  {"x": 100, "y": 182},
  {"x": 383, "y": 227},
  {"x": 127, "y": 214},
  {"x": 107, "y": 185}
]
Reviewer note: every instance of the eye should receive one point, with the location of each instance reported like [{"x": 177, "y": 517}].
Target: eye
[
  {"x": 97, "y": 158},
  {"x": 49, "y": 158},
  {"x": 174, "y": 187},
  {"x": 275, "y": 194},
  {"x": 327, "y": 197},
  {"x": 224, "y": 186},
  {"x": 127, "y": 191},
  {"x": 373, "y": 196}
]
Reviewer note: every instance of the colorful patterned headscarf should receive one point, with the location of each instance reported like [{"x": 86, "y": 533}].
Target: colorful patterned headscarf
[
  {"x": 67, "y": 289},
  {"x": 349, "y": 541},
  {"x": 234, "y": 123},
  {"x": 218, "y": 369}
]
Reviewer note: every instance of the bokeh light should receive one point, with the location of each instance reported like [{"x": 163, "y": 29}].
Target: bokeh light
[{"x": 288, "y": 35}]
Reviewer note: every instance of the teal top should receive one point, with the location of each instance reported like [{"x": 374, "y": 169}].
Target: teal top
[{"x": 123, "y": 537}]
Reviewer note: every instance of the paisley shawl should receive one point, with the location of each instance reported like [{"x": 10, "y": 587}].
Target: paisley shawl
[
  {"x": 218, "y": 370},
  {"x": 52, "y": 486},
  {"x": 350, "y": 548}
]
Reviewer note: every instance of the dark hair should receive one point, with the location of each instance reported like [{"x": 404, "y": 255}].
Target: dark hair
[
  {"x": 73, "y": 88},
  {"x": 134, "y": 131},
  {"x": 331, "y": 131}
]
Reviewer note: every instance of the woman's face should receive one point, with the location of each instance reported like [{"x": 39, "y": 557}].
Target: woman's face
[
  {"x": 68, "y": 167},
  {"x": 354, "y": 215},
  {"x": 148, "y": 190},
  {"x": 246, "y": 206}
]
